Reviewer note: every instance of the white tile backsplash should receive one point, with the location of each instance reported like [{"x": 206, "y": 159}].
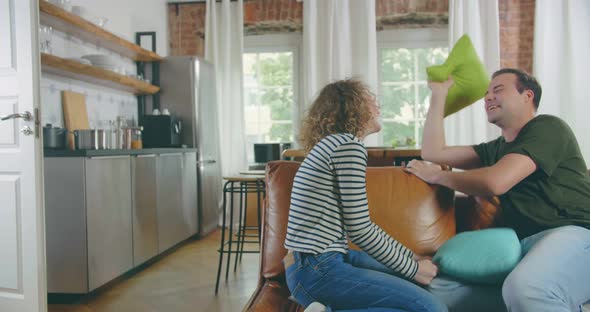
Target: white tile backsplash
[{"x": 103, "y": 104}]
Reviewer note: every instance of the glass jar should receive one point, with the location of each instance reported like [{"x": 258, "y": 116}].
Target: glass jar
[
  {"x": 45, "y": 37},
  {"x": 136, "y": 141}
]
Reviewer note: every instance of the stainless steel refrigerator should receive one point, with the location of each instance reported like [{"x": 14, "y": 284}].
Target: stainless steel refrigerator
[{"x": 188, "y": 92}]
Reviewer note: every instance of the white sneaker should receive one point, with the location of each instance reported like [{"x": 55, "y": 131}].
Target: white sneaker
[{"x": 315, "y": 307}]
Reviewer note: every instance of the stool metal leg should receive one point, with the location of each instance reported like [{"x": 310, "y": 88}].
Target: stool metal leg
[
  {"x": 258, "y": 188},
  {"x": 241, "y": 229},
  {"x": 221, "y": 247},
  {"x": 245, "y": 221},
  {"x": 231, "y": 231}
]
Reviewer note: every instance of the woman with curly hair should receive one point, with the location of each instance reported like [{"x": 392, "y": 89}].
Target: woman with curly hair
[{"x": 329, "y": 206}]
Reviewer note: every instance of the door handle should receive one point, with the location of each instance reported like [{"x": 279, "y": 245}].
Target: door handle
[{"x": 27, "y": 116}]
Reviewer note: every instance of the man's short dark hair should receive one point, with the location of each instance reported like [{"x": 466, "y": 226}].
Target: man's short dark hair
[{"x": 524, "y": 81}]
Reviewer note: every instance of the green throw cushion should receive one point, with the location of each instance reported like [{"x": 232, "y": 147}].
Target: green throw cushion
[
  {"x": 484, "y": 256},
  {"x": 470, "y": 76}
]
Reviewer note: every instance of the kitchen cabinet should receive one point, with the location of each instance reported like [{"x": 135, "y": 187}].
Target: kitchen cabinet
[
  {"x": 189, "y": 192},
  {"x": 65, "y": 225},
  {"x": 108, "y": 208},
  {"x": 88, "y": 221},
  {"x": 108, "y": 214},
  {"x": 165, "y": 208},
  {"x": 172, "y": 224},
  {"x": 145, "y": 218}
]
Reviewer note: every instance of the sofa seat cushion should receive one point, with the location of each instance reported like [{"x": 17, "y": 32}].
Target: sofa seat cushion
[{"x": 273, "y": 296}]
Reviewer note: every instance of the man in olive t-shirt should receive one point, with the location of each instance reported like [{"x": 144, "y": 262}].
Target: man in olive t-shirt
[
  {"x": 558, "y": 192},
  {"x": 538, "y": 172}
]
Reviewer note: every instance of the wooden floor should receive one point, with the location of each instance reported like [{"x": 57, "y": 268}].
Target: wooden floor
[{"x": 182, "y": 281}]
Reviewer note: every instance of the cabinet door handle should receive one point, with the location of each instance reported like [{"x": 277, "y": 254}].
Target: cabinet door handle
[
  {"x": 108, "y": 157},
  {"x": 209, "y": 161},
  {"x": 146, "y": 156}
]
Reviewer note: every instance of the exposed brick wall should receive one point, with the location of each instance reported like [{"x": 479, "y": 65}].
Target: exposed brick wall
[
  {"x": 517, "y": 25},
  {"x": 187, "y": 21},
  {"x": 272, "y": 16},
  {"x": 186, "y": 28},
  {"x": 393, "y": 14}
]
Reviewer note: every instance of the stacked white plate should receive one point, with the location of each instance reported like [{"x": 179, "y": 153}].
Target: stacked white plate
[
  {"x": 80, "y": 60},
  {"x": 105, "y": 62}
]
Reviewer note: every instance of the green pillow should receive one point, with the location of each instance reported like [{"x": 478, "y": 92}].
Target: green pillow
[
  {"x": 470, "y": 76},
  {"x": 483, "y": 256}
]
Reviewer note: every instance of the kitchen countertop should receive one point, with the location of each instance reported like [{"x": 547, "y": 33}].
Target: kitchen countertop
[{"x": 120, "y": 152}]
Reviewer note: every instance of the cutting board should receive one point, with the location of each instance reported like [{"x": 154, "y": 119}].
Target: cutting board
[{"x": 75, "y": 113}]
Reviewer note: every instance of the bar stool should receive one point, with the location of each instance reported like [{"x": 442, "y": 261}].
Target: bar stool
[{"x": 242, "y": 185}]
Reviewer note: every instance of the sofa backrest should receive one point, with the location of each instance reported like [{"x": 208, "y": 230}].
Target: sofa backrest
[
  {"x": 384, "y": 157},
  {"x": 417, "y": 214}
]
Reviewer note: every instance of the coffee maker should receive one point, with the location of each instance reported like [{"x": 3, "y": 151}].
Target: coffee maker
[{"x": 161, "y": 131}]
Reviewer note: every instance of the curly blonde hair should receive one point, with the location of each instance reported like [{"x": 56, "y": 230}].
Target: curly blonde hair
[{"x": 341, "y": 107}]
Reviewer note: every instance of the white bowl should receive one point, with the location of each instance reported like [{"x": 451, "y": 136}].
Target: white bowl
[{"x": 116, "y": 69}]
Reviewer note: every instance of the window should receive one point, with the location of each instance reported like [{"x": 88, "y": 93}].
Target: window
[
  {"x": 270, "y": 93},
  {"x": 403, "y": 91}
]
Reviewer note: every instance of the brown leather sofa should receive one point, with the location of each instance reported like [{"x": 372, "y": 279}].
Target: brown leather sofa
[
  {"x": 419, "y": 215},
  {"x": 377, "y": 156}
]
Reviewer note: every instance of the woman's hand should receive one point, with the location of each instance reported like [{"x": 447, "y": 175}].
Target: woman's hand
[
  {"x": 427, "y": 270},
  {"x": 426, "y": 171},
  {"x": 417, "y": 257}
]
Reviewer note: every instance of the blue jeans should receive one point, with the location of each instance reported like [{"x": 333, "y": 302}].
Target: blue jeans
[
  {"x": 553, "y": 276},
  {"x": 354, "y": 282}
]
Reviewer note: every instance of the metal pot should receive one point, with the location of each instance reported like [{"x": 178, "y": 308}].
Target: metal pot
[
  {"x": 85, "y": 139},
  {"x": 127, "y": 137},
  {"x": 101, "y": 139},
  {"x": 54, "y": 137}
]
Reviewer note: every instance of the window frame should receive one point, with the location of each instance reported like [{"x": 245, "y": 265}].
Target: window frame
[
  {"x": 276, "y": 43},
  {"x": 408, "y": 39}
]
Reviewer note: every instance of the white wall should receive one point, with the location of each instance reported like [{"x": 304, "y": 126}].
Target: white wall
[{"x": 126, "y": 17}]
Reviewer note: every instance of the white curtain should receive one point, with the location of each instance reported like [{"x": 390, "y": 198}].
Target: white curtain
[
  {"x": 224, "y": 46},
  {"x": 339, "y": 41},
  {"x": 561, "y": 63},
  {"x": 479, "y": 20}
]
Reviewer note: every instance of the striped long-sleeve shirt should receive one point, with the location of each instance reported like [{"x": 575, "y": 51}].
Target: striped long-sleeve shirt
[{"x": 329, "y": 203}]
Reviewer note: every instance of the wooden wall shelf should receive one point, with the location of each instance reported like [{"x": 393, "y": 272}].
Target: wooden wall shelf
[
  {"x": 64, "y": 21},
  {"x": 96, "y": 75}
]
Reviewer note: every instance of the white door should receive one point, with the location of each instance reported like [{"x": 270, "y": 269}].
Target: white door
[{"x": 22, "y": 231}]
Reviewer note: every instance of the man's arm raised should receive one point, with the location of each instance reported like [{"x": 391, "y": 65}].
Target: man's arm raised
[{"x": 434, "y": 148}]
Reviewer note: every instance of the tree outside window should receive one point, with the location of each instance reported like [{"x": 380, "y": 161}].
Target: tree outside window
[
  {"x": 404, "y": 93},
  {"x": 268, "y": 98}
]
